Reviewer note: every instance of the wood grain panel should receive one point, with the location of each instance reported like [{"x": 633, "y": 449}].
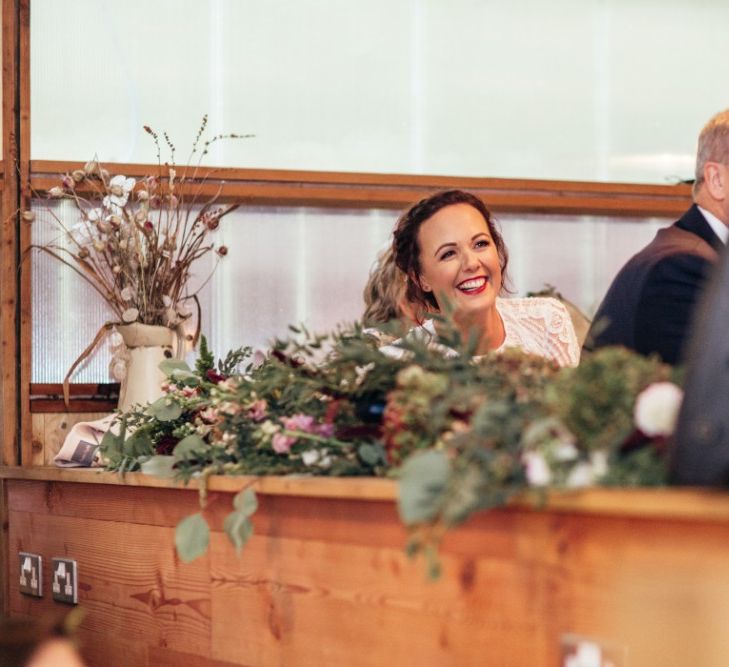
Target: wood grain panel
[
  {"x": 293, "y": 593},
  {"x": 326, "y": 581},
  {"x": 158, "y": 507},
  {"x": 129, "y": 579}
]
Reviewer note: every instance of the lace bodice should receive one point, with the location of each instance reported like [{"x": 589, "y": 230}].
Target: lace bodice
[
  {"x": 537, "y": 325},
  {"x": 540, "y": 325}
]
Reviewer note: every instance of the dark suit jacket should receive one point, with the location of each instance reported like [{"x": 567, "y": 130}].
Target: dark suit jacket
[{"x": 649, "y": 305}]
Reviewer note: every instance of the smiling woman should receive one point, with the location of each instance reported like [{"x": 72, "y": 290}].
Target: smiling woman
[{"x": 455, "y": 261}]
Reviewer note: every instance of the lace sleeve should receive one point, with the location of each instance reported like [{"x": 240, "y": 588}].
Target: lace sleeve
[{"x": 540, "y": 325}]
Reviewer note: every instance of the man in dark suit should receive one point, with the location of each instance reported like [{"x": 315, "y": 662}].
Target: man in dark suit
[{"x": 650, "y": 303}]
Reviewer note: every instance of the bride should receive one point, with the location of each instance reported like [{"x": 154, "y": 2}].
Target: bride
[{"x": 451, "y": 252}]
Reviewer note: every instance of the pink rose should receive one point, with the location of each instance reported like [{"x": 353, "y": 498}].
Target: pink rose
[
  {"x": 257, "y": 410},
  {"x": 299, "y": 422},
  {"x": 282, "y": 443},
  {"x": 325, "y": 430}
]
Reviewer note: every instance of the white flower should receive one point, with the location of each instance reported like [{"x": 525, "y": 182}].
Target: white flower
[
  {"x": 599, "y": 461},
  {"x": 310, "y": 457},
  {"x": 130, "y": 315},
  {"x": 55, "y": 191},
  {"x": 316, "y": 457},
  {"x": 581, "y": 475},
  {"x": 127, "y": 293},
  {"x": 656, "y": 408},
  {"x": 565, "y": 451},
  {"x": 119, "y": 187},
  {"x": 587, "y": 473},
  {"x": 537, "y": 469},
  {"x": 269, "y": 428}
]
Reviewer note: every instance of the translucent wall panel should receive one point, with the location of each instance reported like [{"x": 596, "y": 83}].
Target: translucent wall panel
[
  {"x": 571, "y": 89},
  {"x": 294, "y": 265}
]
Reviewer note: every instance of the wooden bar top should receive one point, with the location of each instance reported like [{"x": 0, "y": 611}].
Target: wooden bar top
[{"x": 659, "y": 503}]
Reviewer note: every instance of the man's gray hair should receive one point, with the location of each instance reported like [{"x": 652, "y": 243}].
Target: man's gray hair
[{"x": 713, "y": 145}]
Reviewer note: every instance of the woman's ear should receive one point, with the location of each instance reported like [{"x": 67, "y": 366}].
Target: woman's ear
[{"x": 422, "y": 284}]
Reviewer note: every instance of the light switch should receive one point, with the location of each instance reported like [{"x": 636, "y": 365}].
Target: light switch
[
  {"x": 31, "y": 574},
  {"x": 64, "y": 584}
]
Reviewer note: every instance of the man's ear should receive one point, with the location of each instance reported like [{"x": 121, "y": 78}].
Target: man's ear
[{"x": 716, "y": 180}]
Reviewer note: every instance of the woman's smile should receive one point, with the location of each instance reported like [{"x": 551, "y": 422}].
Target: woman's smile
[{"x": 473, "y": 285}]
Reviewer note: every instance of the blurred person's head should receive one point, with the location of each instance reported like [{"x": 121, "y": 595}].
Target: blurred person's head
[
  {"x": 37, "y": 642},
  {"x": 711, "y": 185}
]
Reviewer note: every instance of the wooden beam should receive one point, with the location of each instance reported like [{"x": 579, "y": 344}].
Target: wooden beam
[
  {"x": 24, "y": 240},
  {"x": 272, "y": 187},
  {"x": 9, "y": 452}
]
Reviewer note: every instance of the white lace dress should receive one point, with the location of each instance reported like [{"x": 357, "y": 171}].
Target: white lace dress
[{"x": 538, "y": 325}]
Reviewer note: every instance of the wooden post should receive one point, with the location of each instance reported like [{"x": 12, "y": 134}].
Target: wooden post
[{"x": 14, "y": 363}]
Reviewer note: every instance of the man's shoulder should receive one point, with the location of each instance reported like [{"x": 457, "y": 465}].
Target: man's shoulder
[{"x": 671, "y": 245}]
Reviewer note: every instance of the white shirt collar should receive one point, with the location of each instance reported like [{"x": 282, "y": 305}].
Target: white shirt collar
[{"x": 720, "y": 229}]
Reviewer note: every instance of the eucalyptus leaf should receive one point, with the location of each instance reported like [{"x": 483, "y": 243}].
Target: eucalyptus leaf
[
  {"x": 371, "y": 454},
  {"x": 138, "y": 444},
  {"x": 246, "y": 502},
  {"x": 159, "y": 466},
  {"x": 169, "y": 366},
  {"x": 111, "y": 445},
  {"x": 465, "y": 496},
  {"x": 423, "y": 480},
  {"x": 188, "y": 447},
  {"x": 192, "y": 537},
  {"x": 238, "y": 528},
  {"x": 165, "y": 409}
]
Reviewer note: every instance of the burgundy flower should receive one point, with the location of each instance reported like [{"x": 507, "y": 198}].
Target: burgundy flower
[
  {"x": 165, "y": 445},
  {"x": 213, "y": 376},
  {"x": 223, "y": 250}
]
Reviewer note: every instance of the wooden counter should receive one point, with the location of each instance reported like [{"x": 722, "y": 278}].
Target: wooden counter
[{"x": 325, "y": 580}]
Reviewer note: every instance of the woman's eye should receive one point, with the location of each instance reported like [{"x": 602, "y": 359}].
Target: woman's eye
[
  {"x": 447, "y": 254},
  {"x": 483, "y": 243}
]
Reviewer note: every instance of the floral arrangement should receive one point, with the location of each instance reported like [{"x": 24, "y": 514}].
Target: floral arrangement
[
  {"x": 136, "y": 241},
  {"x": 459, "y": 436}
]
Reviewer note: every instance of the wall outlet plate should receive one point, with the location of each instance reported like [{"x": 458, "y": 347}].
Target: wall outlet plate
[
  {"x": 580, "y": 651},
  {"x": 31, "y": 574},
  {"x": 64, "y": 582}
]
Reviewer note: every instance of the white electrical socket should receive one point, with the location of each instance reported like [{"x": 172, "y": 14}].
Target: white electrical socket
[
  {"x": 65, "y": 580},
  {"x": 31, "y": 574},
  {"x": 579, "y": 651}
]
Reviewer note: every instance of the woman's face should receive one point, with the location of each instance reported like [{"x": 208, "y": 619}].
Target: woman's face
[{"x": 459, "y": 262}]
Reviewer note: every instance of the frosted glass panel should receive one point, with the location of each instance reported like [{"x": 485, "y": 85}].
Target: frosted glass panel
[
  {"x": 305, "y": 265},
  {"x": 571, "y": 89}
]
